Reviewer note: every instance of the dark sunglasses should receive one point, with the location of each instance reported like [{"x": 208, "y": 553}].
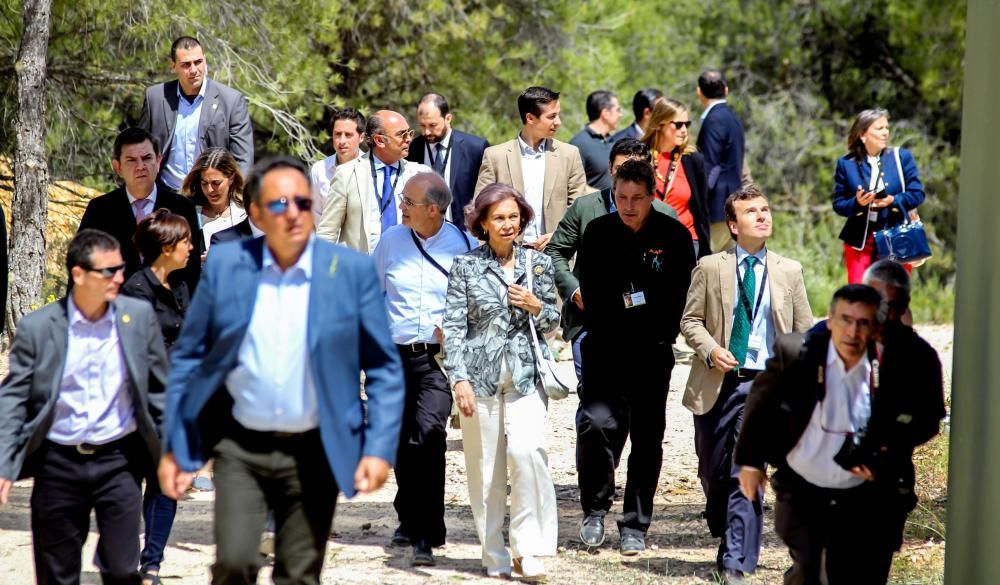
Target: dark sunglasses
[
  {"x": 107, "y": 272},
  {"x": 679, "y": 125},
  {"x": 280, "y": 206}
]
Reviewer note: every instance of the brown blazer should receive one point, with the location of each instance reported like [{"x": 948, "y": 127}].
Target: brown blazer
[
  {"x": 565, "y": 179},
  {"x": 708, "y": 315}
]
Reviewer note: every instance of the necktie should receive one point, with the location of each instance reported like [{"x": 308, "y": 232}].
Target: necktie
[
  {"x": 439, "y": 160},
  {"x": 741, "y": 323},
  {"x": 388, "y": 209},
  {"x": 141, "y": 208}
]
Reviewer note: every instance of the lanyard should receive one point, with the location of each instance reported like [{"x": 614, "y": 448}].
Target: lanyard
[
  {"x": 383, "y": 201},
  {"x": 668, "y": 183},
  {"x": 744, "y": 301},
  {"x": 447, "y": 153},
  {"x": 434, "y": 263}
]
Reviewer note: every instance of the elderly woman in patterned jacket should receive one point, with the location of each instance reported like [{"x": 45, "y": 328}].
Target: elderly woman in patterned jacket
[{"x": 491, "y": 366}]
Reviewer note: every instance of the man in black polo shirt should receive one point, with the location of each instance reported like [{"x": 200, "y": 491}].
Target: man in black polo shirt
[
  {"x": 634, "y": 275},
  {"x": 594, "y": 140}
]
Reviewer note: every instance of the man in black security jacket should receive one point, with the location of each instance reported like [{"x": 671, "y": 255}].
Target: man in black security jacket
[
  {"x": 838, "y": 415},
  {"x": 634, "y": 275}
]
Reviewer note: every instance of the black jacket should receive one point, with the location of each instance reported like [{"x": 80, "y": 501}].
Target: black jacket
[
  {"x": 465, "y": 158},
  {"x": 170, "y": 304},
  {"x": 694, "y": 169},
  {"x": 238, "y": 232}
]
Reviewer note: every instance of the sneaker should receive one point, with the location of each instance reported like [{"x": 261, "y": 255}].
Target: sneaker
[
  {"x": 203, "y": 483},
  {"x": 498, "y": 572},
  {"x": 632, "y": 544},
  {"x": 267, "y": 543},
  {"x": 422, "y": 555},
  {"x": 528, "y": 569},
  {"x": 399, "y": 538},
  {"x": 592, "y": 531}
]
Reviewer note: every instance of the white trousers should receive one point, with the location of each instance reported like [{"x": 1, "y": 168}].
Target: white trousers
[{"x": 507, "y": 434}]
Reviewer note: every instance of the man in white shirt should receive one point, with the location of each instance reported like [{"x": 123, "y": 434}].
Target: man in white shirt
[
  {"x": 347, "y": 130},
  {"x": 413, "y": 261}
]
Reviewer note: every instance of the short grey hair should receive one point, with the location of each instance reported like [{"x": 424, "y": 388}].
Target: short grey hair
[
  {"x": 436, "y": 190},
  {"x": 893, "y": 275},
  {"x": 375, "y": 126}
]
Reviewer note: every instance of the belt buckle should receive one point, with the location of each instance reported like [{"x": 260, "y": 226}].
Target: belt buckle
[
  {"x": 418, "y": 347},
  {"x": 83, "y": 450}
]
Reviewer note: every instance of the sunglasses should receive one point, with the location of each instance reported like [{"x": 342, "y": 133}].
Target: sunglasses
[
  {"x": 108, "y": 272},
  {"x": 280, "y": 206},
  {"x": 409, "y": 133},
  {"x": 679, "y": 125}
]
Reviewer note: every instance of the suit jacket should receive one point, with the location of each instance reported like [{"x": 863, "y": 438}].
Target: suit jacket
[
  {"x": 565, "y": 179},
  {"x": 566, "y": 243},
  {"x": 29, "y": 393},
  {"x": 347, "y": 327},
  {"x": 626, "y": 132},
  {"x": 708, "y": 316},
  {"x": 465, "y": 159},
  {"x": 111, "y": 213},
  {"x": 352, "y": 195},
  {"x": 240, "y": 231},
  {"x": 481, "y": 327},
  {"x": 694, "y": 170},
  {"x": 3, "y": 268},
  {"x": 224, "y": 121},
  {"x": 721, "y": 141},
  {"x": 851, "y": 173}
]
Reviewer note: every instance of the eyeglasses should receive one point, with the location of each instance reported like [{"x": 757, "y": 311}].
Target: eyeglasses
[
  {"x": 280, "y": 206},
  {"x": 409, "y": 133},
  {"x": 411, "y": 203},
  {"x": 107, "y": 272},
  {"x": 679, "y": 125},
  {"x": 213, "y": 184}
]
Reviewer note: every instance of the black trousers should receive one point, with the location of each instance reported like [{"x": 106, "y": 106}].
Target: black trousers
[
  {"x": 68, "y": 485},
  {"x": 848, "y": 534},
  {"x": 420, "y": 461},
  {"x": 622, "y": 398},
  {"x": 289, "y": 474}
]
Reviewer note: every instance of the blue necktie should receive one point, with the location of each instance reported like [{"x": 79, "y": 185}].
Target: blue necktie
[{"x": 388, "y": 210}]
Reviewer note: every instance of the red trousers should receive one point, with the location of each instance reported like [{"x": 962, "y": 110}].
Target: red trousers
[{"x": 857, "y": 261}]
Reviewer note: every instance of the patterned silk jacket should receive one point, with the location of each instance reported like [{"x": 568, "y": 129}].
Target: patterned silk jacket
[{"x": 481, "y": 328}]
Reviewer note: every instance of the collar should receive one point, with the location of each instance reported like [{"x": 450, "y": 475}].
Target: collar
[
  {"x": 741, "y": 254},
  {"x": 638, "y": 129},
  {"x": 437, "y": 235},
  {"x": 861, "y": 370},
  {"x": 594, "y": 134},
  {"x": 256, "y": 231},
  {"x": 445, "y": 142},
  {"x": 529, "y": 152},
  {"x": 201, "y": 92},
  {"x": 76, "y": 316},
  {"x": 712, "y": 105},
  {"x": 379, "y": 164},
  {"x": 132, "y": 198},
  {"x": 304, "y": 263}
]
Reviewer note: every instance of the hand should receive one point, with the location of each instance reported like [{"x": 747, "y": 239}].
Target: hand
[
  {"x": 439, "y": 335},
  {"x": 883, "y": 202},
  {"x": 4, "y": 490},
  {"x": 522, "y": 299},
  {"x": 751, "y": 479},
  {"x": 863, "y": 472},
  {"x": 864, "y": 198},
  {"x": 722, "y": 359},
  {"x": 371, "y": 474},
  {"x": 541, "y": 242},
  {"x": 204, "y": 256},
  {"x": 173, "y": 480},
  {"x": 465, "y": 399},
  {"x": 578, "y": 299}
]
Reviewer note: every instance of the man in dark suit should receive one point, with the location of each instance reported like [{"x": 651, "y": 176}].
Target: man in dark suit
[
  {"x": 117, "y": 212},
  {"x": 193, "y": 113},
  {"x": 244, "y": 230},
  {"x": 453, "y": 154},
  {"x": 264, "y": 379},
  {"x": 720, "y": 140},
  {"x": 838, "y": 416},
  {"x": 79, "y": 411},
  {"x": 642, "y": 107}
]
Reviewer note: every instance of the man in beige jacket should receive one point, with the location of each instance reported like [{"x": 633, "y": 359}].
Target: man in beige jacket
[
  {"x": 549, "y": 173},
  {"x": 739, "y": 301}
]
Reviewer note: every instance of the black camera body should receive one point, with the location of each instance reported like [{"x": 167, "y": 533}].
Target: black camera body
[{"x": 857, "y": 450}]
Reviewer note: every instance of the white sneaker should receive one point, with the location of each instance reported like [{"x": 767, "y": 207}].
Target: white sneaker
[{"x": 529, "y": 569}]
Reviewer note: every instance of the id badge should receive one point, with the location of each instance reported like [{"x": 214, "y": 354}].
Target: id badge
[
  {"x": 634, "y": 299},
  {"x": 872, "y": 216},
  {"x": 755, "y": 343}
]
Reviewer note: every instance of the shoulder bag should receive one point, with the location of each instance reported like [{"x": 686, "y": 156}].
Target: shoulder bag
[
  {"x": 552, "y": 386},
  {"x": 906, "y": 242}
]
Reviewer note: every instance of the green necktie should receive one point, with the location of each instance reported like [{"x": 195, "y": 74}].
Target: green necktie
[{"x": 741, "y": 323}]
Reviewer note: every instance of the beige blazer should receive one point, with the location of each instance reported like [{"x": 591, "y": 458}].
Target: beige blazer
[
  {"x": 352, "y": 195},
  {"x": 708, "y": 315},
  {"x": 565, "y": 179}
]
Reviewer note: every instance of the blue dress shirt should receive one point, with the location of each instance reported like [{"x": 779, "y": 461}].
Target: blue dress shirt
[
  {"x": 763, "y": 323},
  {"x": 184, "y": 147}
]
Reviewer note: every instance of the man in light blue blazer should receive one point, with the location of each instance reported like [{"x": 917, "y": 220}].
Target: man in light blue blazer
[{"x": 264, "y": 380}]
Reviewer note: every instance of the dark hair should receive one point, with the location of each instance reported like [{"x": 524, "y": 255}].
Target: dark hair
[
  {"x": 183, "y": 43},
  {"x": 477, "y": 211},
  {"x": 894, "y": 276},
  {"x": 862, "y": 122},
  {"x": 597, "y": 102},
  {"x": 860, "y": 293},
  {"x": 644, "y": 98},
  {"x": 712, "y": 84},
  {"x": 533, "y": 100},
  {"x": 351, "y": 115},
  {"x": 131, "y": 136},
  {"x": 436, "y": 100},
  {"x": 83, "y": 245},
  {"x": 222, "y": 160},
  {"x": 743, "y": 194},
  {"x": 158, "y": 230},
  {"x": 637, "y": 171},
  {"x": 632, "y": 148},
  {"x": 265, "y": 166}
]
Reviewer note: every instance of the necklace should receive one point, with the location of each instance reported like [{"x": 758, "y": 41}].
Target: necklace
[{"x": 504, "y": 259}]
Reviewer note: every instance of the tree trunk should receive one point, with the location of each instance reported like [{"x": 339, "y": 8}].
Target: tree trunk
[{"x": 29, "y": 210}]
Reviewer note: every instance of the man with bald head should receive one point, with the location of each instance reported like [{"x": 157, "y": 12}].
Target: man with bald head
[
  {"x": 453, "y": 154},
  {"x": 366, "y": 193},
  {"x": 412, "y": 261}
]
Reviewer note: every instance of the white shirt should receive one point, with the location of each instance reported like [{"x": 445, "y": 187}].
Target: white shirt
[
  {"x": 375, "y": 213},
  {"x": 430, "y": 155},
  {"x": 709, "y": 108},
  {"x": 94, "y": 405},
  {"x": 272, "y": 385},
  {"x": 846, "y": 407},
  {"x": 533, "y": 177},
  {"x": 874, "y": 185},
  {"x": 212, "y": 225},
  {"x": 184, "y": 147},
  {"x": 414, "y": 289},
  {"x": 321, "y": 174},
  {"x": 151, "y": 197},
  {"x": 763, "y": 323}
]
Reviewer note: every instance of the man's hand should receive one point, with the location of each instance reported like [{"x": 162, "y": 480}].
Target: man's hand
[
  {"x": 439, "y": 335},
  {"x": 4, "y": 490},
  {"x": 578, "y": 299},
  {"x": 541, "y": 242},
  {"x": 173, "y": 480},
  {"x": 863, "y": 472},
  {"x": 371, "y": 474},
  {"x": 751, "y": 479},
  {"x": 722, "y": 359}
]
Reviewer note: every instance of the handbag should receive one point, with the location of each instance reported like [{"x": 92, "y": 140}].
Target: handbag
[
  {"x": 545, "y": 367},
  {"x": 906, "y": 242}
]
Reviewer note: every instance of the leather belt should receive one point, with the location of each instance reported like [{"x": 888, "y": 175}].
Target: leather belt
[
  {"x": 92, "y": 449},
  {"x": 418, "y": 348},
  {"x": 745, "y": 374}
]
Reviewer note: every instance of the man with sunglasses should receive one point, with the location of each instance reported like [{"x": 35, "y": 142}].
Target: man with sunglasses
[
  {"x": 264, "y": 379},
  {"x": 366, "y": 192},
  {"x": 79, "y": 411}
]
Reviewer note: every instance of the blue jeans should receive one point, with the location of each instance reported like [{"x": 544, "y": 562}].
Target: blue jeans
[
  {"x": 158, "y": 513},
  {"x": 578, "y": 359}
]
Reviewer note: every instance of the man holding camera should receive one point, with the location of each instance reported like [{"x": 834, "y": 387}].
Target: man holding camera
[{"x": 838, "y": 416}]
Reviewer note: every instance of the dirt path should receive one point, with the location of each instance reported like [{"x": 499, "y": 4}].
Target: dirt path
[{"x": 680, "y": 550}]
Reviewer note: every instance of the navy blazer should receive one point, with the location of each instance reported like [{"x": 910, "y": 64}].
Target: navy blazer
[
  {"x": 851, "y": 173},
  {"x": 466, "y": 157},
  {"x": 626, "y": 132},
  {"x": 348, "y": 333},
  {"x": 720, "y": 140}
]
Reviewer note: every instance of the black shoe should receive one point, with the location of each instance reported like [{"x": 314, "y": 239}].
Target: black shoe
[
  {"x": 399, "y": 538},
  {"x": 592, "y": 530},
  {"x": 422, "y": 556},
  {"x": 632, "y": 544},
  {"x": 733, "y": 577}
]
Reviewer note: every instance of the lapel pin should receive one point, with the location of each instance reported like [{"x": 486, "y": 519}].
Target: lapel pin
[
  {"x": 539, "y": 270},
  {"x": 333, "y": 265},
  {"x": 126, "y": 318}
]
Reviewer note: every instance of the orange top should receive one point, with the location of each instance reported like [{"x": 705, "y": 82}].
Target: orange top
[{"x": 679, "y": 196}]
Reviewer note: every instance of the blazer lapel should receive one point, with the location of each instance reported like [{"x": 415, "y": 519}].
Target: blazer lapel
[
  {"x": 172, "y": 100},
  {"x": 208, "y": 109},
  {"x": 727, "y": 288},
  {"x": 59, "y": 333},
  {"x": 366, "y": 192},
  {"x": 130, "y": 342},
  {"x": 514, "y": 166},
  {"x": 552, "y": 163},
  {"x": 457, "y": 159},
  {"x": 776, "y": 286},
  {"x": 324, "y": 272}
]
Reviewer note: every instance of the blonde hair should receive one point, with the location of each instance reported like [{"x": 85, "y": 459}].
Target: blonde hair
[{"x": 664, "y": 110}]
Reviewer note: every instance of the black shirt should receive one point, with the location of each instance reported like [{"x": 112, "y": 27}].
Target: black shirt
[
  {"x": 656, "y": 261},
  {"x": 170, "y": 304}
]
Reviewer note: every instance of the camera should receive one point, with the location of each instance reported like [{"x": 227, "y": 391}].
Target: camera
[{"x": 856, "y": 451}]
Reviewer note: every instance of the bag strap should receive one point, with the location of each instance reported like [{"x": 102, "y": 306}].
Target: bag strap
[
  {"x": 531, "y": 321},
  {"x": 902, "y": 182}
]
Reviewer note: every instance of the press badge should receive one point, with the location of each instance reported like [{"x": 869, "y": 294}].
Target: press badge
[
  {"x": 755, "y": 343},
  {"x": 873, "y": 215},
  {"x": 635, "y": 298}
]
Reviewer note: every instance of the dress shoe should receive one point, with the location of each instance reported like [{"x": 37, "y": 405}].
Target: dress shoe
[
  {"x": 632, "y": 544},
  {"x": 592, "y": 531},
  {"x": 528, "y": 569},
  {"x": 733, "y": 577},
  {"x": 399, "y": 538},
  {"x": 422, "y": 556},
  {"x": 498, "y": 572}
]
